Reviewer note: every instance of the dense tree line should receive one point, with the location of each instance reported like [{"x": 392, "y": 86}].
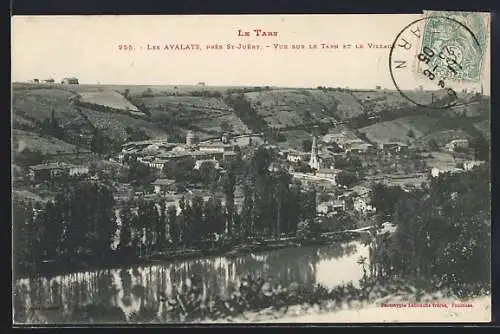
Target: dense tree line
[
  {"x": 246, "y": 112},
  {"x": 443, "y": 234},
  {"x": 80, "y": 224}
]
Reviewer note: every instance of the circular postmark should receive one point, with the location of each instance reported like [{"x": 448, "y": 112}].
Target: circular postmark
[{"x": 438, "y": 52}]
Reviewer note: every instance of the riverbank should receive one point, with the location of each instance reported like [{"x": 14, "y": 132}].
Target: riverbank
[
  {"x": 117, "y": 260},
  {"x": 430, "y": 308}
]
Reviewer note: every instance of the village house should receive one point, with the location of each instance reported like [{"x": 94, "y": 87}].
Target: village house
[
  {"x": 358, "y": 147},
  {"x": 163, "y": 185},
  {"x": 213, "y": 162},
  {"x": 468, "y": 165},
  {"x": 45, "y": 172},
  {"x": 328, "y": 174},
  {"x": 331, "y": 207},
  {"x": 338, "y": 206},
  {"x": 457, "y": 144},
  {"x": 50, "y": 80},
  {"x": 361, "y": 205},
  {"x": 397, "y": 147},
  {"x": 436, "y": 171},
  {"x": 229, "y": 156},
  {"x": 70, "y": 81},
  {"x": 296, "y": 156},
  {"x": 216, "y": 147},
  {"x": 157, "y": 163}
]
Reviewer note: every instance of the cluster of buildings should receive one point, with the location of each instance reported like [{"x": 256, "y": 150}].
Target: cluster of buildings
[
  {"x": 67, "y": 81},
  {"x": 157, "y": 153},
  {"x": 466, "y": 166},
  {"x": 458, "y": 144},
  {"x": 48, "y": 171},
  {"x": 356, "y": 199}
]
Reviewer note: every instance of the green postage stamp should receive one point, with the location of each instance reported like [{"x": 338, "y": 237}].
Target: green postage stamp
[{"x": 456, "y": 44}]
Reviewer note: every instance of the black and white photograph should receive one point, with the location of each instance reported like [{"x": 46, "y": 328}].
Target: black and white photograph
[{"x": 209, "y": 169}]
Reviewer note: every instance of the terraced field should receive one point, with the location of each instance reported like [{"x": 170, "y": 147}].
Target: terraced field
[
  {"x": 443, "y": 137},
  {"x": 188, "y": 106},
  {"x": 37, "y": 104},
  {"x": 289, "y": 108},
  {"x": 215, "y": 124},
  {"x": 112, "y": 100},
  {"x": 116, "y": 123},
  {"x": 398, "y": 129},
  {"x": 47, "y": 145}
]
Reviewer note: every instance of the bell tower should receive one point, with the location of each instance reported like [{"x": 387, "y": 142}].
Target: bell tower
[{"x": 314, "y": 160}]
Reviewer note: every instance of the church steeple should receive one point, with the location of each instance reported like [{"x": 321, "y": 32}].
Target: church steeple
[{"x": 314, "y": 161}]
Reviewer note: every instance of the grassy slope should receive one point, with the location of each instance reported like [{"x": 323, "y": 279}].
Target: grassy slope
[
  {"x": 108, "y": 99},
  {"x": 397, "y": 130},
  {"x": 280, "y": 108},
  {"x": 205, "y": 113},
  {"x": 47, "y": 145},
  {"x": 37, "y": 104}
]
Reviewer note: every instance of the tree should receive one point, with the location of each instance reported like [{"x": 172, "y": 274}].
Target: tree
[
  {"x": 140, "y": 174},
  {"x": 281, "y": 191},
  {"x": 433, "y": 145},
  {"x": 106, "y": 224},
  {"x": 161, "y": 226},
  {"x": 384, "y": 197},
  {"x": 197, "y": 218},
  {"x": 150, "y": 222},
  {"x": 411, "y": 134},
  {"x": 247, "y": 209},
  {"x": 308, "y": 204},
  {"x": 134, "y": 134},
  {"x": 185, "y": 222},
  {"x": 481, "y": 148},
  {"x": 210, "y": 220},
  {"x": 181, "y": 171},
  {"x": 345, "y": 222},
  {"x": 228, "y": 185},
  {"x": 225, "y": 126},
  {"x": 126, "y": 218},
  {"x": 306, "y": 145},
  {"x": 208, "y": 174},
  {"x": 173, "y": 226},
  {"x": 101, "y": 143},
  {"x": 308, "y": 229},
  {"x": 443, "y": 235},
  {"x": 24, "y": 236},
  {"x": 347, "y": 178},
  {"x": 28, "y": 157}
]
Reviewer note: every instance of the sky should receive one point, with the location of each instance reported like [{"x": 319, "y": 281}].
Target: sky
[{"x": 87, "y": 47}]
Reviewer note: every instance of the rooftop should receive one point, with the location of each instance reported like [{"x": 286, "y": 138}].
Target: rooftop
[
  {"x": 328, "y": 171},
  {"x": 163, "y": 182},
  {"x": 54, "y": 165}
]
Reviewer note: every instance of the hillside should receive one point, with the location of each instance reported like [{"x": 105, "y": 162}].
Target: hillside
[
  {"x": 420, "y": 129},
  {"x": 206, "y": 114},
  {"x": 32, "y": 105},
  {"x": 170, "y": 111},
  {"x": 112, "y": 100},
  {"x": 47, "y": 145},
  {"x": 398, "y": 129},
  {"x": 289, "y": 108}
]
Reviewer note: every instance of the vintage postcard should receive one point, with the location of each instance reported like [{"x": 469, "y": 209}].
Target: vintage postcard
[{"x": 251, "y": 169}]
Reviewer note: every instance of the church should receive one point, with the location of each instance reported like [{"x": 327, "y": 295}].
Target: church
[{"x": 318, "y": 161}]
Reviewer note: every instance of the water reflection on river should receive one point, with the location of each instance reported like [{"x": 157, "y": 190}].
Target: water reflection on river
[{"x": 137, "y": 288}]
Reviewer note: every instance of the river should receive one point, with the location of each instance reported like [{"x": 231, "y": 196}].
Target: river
[{"x": 133, "y": 289}]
